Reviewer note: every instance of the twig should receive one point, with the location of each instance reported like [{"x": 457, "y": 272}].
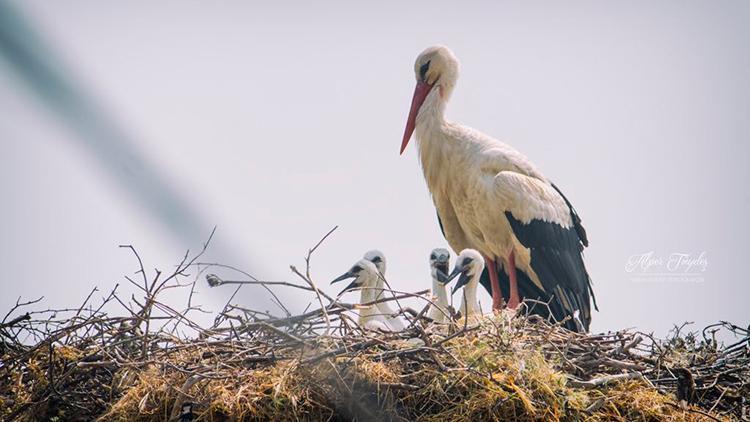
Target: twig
[{"x": 596, "y": 382}]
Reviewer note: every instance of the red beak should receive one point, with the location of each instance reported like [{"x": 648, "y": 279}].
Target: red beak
[{"x": 420, "y": 93}]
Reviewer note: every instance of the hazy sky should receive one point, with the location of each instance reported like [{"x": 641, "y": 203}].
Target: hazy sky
[{"x": 277, "y": 122}]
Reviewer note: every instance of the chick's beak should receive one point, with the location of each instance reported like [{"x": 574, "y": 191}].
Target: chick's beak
[
  {"x": 347, "y": 275},
  {"x": 353, "y": 285},
  {"x": 344, "y": 276},
  {"x": 441, "y": 272},
  {"x": 463, "y": 278}
]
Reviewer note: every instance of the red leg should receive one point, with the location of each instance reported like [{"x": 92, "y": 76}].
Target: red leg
[
  {"x": 497, "y": 296},
  {"x": 514, "y": 300}
]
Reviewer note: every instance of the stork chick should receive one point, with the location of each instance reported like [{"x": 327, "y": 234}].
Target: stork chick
[
  {"x": 439, "y": 263},
  {"x": 469, "y": 267},
  {"x": 366, "y": 275},
  {"x": 378, "y": 258}
]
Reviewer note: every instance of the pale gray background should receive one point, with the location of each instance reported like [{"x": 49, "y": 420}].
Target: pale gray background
[{"x": 277, "y": 122}]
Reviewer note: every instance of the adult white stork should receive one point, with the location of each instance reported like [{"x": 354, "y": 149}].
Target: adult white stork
[
  {"x": 491, "y": 198},
  {"x": 469, "y": 267},
  {"x": 439, "y": 263},
  {"x": 365, "y": 276},
  {"x": 378, "y": 258}
]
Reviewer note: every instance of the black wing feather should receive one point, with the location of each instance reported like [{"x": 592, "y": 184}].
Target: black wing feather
[
  {"x": 557, "y": 261},
  {"x": 575, "y": 217}
]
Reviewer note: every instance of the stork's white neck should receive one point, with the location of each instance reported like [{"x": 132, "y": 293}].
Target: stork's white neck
[
  {"x": 370, "y": 293},
  {"x": 439, "y": 313},
  {"x": 435, "y": 147},
  {"x": 469, "y": 304},
  {"x": 440, "y": 291},
  {"x": 431, "y": 116}
]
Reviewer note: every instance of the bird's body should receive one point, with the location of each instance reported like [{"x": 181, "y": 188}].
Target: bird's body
[
  {"x": 685, "y": 387},
  {"x": 378, "y": 258},
  {"x": 491, "y": 198},
  {"x": 372, "y": 317},
  {"x": 467, "y": 174},
  {"x": 439, "y": 264},
  {"x": 366, "y": 276}
]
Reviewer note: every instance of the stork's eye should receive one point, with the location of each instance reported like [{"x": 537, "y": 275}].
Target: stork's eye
[
  {"x": 356, "y": 269},
  {"x": 468, "y": 261},
  {"x": 423, "y": 70},
  {"x": 376, "y": 259},
  {"x": 433, "y": 256}
]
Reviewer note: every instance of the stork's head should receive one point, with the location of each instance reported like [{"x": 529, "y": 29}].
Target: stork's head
[
  {"x": 469, "y": 266},
  {"x": 364, "y": 273},
  {"x": 436, "y": 70},
  {"x": 377, "y": 258},
  {"x": 439, "y": 264}
]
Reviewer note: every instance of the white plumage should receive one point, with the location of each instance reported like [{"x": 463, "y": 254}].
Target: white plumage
[
  {"x": 469, "y": 267},
  {"x": 491, "y": 198},
  {"x": 439, "y": 264},
  {"x": 378, "y": 258}
]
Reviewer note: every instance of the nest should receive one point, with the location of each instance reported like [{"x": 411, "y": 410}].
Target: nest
[{"x": 154, "y": 362}]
